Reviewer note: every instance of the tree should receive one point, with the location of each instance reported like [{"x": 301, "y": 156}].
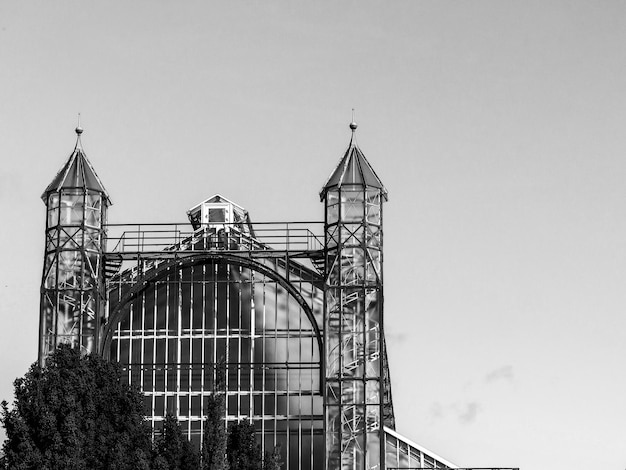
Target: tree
[
  {"x": 75, "y": 413},
  {"x": 214, "y": 442},
  {"x": 243, "y": 451},
  {"x": 273, "y": 460},
  {"x": 173, "y": 451}
]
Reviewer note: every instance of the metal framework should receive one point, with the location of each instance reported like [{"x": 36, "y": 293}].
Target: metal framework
[
  {"x": 284, "y": 319},
  {"x": 401, "y": 453},
  {"x": 223, "y": 297},
  {"x": 353, "y": 316},
  {"x": 72, "y": 286}
]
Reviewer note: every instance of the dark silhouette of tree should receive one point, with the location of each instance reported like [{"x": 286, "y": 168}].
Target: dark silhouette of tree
[
  {"x": 173, "y": 451},
  {"x": 273, "y": 460},
  {"x": 243, "y": 451},
  {"x": 214, "y": 441},
  {"x": 75, "y": 413}
]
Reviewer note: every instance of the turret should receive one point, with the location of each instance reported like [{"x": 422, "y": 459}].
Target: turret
[
  {"x": 72, "y": 286},
  {"x": 353, "y": 198}
]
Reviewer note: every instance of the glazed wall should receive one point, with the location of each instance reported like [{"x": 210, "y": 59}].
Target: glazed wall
[{"x": 189, "y": 322}]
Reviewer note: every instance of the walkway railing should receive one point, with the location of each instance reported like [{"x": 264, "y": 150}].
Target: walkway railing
[{"x": 276, "y": 236}]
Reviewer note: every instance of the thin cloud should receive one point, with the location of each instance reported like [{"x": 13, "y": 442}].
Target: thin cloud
[
  {"x": 465, "y": 413},
  {"x": 468, "y": 412},
  {"x": 436, "y": 411},
  {"x": 502, "y": 373}
]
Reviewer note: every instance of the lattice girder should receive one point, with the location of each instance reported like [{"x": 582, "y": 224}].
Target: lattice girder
[
  {"x": 72, "y": 280},
  {"x": 353, "y": 329}
]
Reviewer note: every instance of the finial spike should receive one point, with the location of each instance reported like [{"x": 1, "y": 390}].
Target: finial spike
[
  {"x": 353, "y": 124},
  {"x": 79, "y": 130}
]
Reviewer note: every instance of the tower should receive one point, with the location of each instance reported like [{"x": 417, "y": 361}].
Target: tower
[
  {"x": 353, "y": 198},
  {"x": 72, "y": 285}
]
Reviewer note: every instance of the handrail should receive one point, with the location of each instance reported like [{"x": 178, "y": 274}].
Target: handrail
[{"x": 281, "y": 236}]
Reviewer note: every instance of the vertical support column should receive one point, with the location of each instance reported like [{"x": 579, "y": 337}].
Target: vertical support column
[
  {"x": 72, "y": 286},
  {"x": 353, "y": 328}
]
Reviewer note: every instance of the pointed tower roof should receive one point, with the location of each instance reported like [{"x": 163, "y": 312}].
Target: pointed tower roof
[
  {"x": 353, "y": 170},
  {"x": 77, "y": 173}
]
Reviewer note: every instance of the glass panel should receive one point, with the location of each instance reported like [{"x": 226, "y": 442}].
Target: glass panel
[
  {"x": 217, "y": 215},
  {"x": 332, "y": 207},
  {"x": 93, "y": 210},
  {"x": 352, "y": 206},
  {"x": 72, "y": 206},
  {"x": 53, "y": 201},
  {"x": 53, "y": 216}
]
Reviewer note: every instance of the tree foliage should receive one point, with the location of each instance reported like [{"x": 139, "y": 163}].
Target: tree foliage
[
  {"x": 214, "y": 442},
  {"x": 173, "y": 451},
  {"x": 273, "y": 460},
  {"x": 75, "y": 413},
  {"x": 243, "y": 451}
]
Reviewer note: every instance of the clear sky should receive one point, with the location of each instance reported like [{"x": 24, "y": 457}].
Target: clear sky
[{"x": 497, "y": 127}]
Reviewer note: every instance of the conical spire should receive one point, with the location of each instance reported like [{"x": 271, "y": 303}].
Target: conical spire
[
  {"x": 353, "y": 170},
  {"x": 77, "y": 173}
]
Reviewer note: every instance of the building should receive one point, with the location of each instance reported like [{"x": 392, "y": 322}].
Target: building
[{"x": 284, "y": 318}]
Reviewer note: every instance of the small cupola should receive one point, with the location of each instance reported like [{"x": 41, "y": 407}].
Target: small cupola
[{"x": 219, "y": 213}]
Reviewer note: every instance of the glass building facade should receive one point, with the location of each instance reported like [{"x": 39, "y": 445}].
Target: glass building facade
[
  {"x": 202, "y": 313},
  {"x": 285, "y": 320}
]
